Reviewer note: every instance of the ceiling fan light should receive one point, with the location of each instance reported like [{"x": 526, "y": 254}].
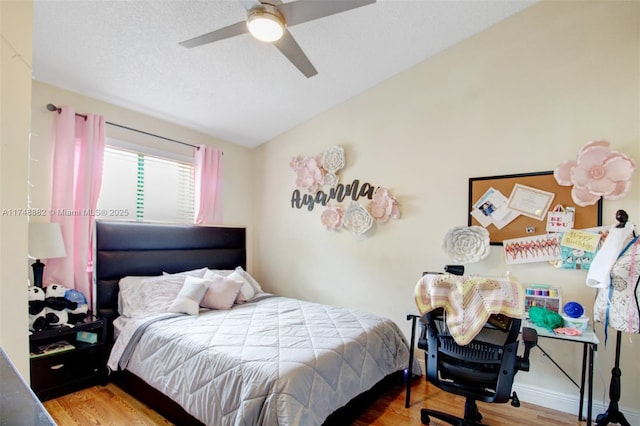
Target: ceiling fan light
[{"x": 265, "y": 26}]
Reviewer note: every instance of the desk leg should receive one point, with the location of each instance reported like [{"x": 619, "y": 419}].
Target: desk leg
[
  {"x": 592, "y": 349},
  {"x": 582, "y": 380}
]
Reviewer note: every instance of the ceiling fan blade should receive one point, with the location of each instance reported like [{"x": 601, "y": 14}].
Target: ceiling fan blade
[
  {"x": 301, "y": 11},
  {"x": 290, "y": 48},
  {"x": 226, "y": 32}
]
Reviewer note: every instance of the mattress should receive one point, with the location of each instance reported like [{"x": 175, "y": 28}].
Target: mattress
[{"x": 273, "y": 361}]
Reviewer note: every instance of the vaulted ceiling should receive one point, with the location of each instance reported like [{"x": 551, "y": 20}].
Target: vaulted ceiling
[{"x": 240, "y": 89}]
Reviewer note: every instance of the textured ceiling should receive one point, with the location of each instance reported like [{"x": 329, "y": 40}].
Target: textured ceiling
[{"x": 240, "y": 90}]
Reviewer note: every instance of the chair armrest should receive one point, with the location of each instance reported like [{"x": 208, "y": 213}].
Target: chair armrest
[{"x": 530, "y": 340}]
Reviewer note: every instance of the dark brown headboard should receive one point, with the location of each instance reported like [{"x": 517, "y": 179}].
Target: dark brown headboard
[{"x": 141, "y": 249}]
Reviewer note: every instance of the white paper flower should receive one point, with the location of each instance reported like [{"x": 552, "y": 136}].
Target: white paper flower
[
  {"x": 333, "y": 159},
  {"x": 331, "y": 180},
  {"x": 466, "y": 244},
  {"x": 357, "y": 219}
]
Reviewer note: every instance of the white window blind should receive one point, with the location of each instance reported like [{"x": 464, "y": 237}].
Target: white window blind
[{"x": 146, "y": 187}]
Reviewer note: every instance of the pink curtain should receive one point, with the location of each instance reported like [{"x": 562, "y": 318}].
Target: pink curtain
[
  {"x": 207, "y": 162},
  {"x": 77, "y": 176}
]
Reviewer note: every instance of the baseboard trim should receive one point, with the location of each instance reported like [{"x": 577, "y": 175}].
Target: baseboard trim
[{"x": 567, "y": 403}]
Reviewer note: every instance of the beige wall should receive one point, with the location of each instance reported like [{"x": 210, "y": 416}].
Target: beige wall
[
  {"x": 15, "y": 86},
  {"x": 521, "y": 97}
]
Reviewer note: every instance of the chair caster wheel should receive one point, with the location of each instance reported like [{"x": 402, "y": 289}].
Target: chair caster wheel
[{"x": 424, "y": 418}]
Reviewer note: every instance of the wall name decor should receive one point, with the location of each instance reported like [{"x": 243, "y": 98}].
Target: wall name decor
[
  {"x": 339, "y": 193},
  {"x": 318, "y": 184}
]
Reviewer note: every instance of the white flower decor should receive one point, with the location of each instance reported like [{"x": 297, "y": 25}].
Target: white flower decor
[
  {"x": 466, "y": 244},
  {"x": 333, "y": 159},
  {"x": 357, "y": 219},
  {"x": 331, "y": 180}
]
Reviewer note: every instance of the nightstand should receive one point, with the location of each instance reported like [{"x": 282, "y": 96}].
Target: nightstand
[{"x": 58, "y": 373}]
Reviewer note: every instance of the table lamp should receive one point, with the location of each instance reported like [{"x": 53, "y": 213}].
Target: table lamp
[{"x": 45, "y": 242}]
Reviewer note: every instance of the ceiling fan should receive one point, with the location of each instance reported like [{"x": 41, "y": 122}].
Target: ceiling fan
[{"x": 268, "y": 21}]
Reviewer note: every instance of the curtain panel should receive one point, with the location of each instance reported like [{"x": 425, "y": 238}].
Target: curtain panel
[
  {"x": 77, "y": 175},
  {"x": 207, "y": 164}
]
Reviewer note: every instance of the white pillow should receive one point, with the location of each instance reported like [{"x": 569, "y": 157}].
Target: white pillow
[
  {"x": 188, "y": 299},
  {"x": 256, "y": 286},
  {"x": 194, "y": 273},
  {"x": 140, "y": 296},
  {"x": 250, "y": 288},
  {"x": 221, "y": 292},
  {"x": 126, "y": 286}
]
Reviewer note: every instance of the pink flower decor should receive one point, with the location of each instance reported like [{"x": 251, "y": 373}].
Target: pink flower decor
[
  {"x": 310, "y": 175},
  {"x": 597, "y": 172},
  {"x": 332, "y": 218},
  {"x": 383, "y": 206}
]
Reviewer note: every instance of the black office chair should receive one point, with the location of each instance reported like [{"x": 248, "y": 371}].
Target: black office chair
[{"x": 482, "y": 370}]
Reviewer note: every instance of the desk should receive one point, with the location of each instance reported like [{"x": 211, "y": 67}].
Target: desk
[{"x": 590, "y": 344}]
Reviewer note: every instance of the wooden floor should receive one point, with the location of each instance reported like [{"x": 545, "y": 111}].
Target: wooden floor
[{"x": 109, "y": 405}]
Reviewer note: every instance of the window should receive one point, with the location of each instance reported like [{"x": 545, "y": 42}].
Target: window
[{"x": 146, "y": 188}]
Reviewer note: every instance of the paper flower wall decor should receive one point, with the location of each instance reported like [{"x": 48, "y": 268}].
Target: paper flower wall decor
[
  {"x": 467, "y": 244},
  {"x": 309, "y": 173},
  {"x": 384, "y": 206},
  {"x": 319, "y": 185},
  {"x": 332, "y": 218},
  {"x": 597, "y": 172},
  {"x": 357, "y": 219},
  {"x": 332, "y": 162}
]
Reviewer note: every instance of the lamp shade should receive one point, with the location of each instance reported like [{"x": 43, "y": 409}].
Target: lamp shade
[{"x": 45, "y": 241}]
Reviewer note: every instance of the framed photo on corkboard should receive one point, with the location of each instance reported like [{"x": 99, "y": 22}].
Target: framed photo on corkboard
[{"x": 515, "y": 206}]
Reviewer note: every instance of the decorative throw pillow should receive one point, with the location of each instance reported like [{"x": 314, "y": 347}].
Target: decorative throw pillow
[
  {"x": 188, "y": 299},
  {"x": 250, "y": 288},
  {"x": 221, "y": 292},
  {"x": 252, "y": 281}
]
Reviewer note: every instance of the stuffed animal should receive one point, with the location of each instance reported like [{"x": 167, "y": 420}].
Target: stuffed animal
[
  {"x": 37, "y": 309},
  {"x": 57, "y": 305},
  {"x": 80, "y": 312}
]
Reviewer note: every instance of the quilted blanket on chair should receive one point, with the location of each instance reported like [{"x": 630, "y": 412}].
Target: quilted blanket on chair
[
  {"x": 277, "y": 361},
  {"x": 469, "y": 301}
]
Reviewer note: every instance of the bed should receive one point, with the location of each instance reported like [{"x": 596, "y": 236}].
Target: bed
[{"x": 271, "y": 360}]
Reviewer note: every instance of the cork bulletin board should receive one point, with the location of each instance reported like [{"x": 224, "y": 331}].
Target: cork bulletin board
[{"x": 527, "y": 225}]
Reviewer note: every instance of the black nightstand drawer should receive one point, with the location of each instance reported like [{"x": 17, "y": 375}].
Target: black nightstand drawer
[{"x": 58, "y": 370}]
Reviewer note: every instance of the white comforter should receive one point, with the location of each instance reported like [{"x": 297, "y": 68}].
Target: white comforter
[{"x": 276, "y": 361}]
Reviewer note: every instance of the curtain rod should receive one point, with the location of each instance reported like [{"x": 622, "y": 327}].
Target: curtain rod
[{"x": 52, "y": 108}]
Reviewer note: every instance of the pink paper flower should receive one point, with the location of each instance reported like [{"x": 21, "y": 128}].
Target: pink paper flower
[
  {"x": 383, "y": 206},
  {"x": 597, "y": 172},
  {"x": 309, "y": 173},
  {"x": 332, "y": 218}
]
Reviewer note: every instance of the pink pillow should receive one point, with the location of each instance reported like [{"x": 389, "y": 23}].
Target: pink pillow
[{"x": 221, "y": 292}]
